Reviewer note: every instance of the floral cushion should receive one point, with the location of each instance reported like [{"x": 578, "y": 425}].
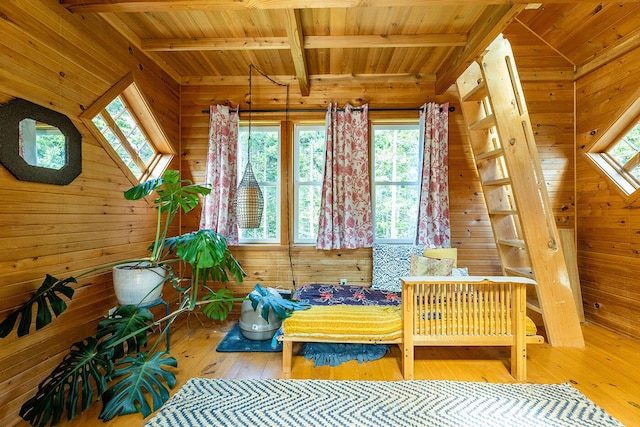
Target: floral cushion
[
  {"x": 390, "y": 262},
  {"x": 442, "y": 253},
  {"x": 426, "y": 266}
]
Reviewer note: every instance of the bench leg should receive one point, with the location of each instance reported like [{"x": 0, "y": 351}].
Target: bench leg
[
  {"x": 407, "y": 360},
  {"x": 519, "y": 360},
  {"x": 287, "y": 356}
]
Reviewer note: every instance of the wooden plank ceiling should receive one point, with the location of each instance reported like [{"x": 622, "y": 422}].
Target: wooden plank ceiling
[{"x": 305, "y": 40}]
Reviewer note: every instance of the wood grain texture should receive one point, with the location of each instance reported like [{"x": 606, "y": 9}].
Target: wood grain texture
[
  {"x": 607, "y": 228},
  {"x": 604, "y": 370},
  {"x": 65, "y": 62}
]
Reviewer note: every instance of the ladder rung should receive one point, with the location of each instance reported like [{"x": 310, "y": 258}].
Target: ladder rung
[
  {"x": 503, "y": 212},
  {"x": 483, "y": 124},
  {"x": 489, "y": 154},
  {"x": 478, "y": 93},
  {"x": 497, "y": 182},
  {"x": 516, "y": 243},
  {"x": 519, "y": 271}
]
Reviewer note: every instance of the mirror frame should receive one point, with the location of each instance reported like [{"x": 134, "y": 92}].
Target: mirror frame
[{"x": 11, "y": 114}]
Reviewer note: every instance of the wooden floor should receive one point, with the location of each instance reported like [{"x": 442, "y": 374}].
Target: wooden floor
[{"x": 605, "y": 370}]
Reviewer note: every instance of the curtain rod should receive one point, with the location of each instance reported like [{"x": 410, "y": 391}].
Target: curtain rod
[{"x": 316, "y": 110}]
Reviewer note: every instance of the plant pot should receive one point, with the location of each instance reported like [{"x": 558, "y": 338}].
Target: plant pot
[
  {"x": 253, "y": 326},
  {"x": 136, "y": 284}
]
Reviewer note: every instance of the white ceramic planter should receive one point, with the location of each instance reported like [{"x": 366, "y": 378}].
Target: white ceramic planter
[
  {"x": 138, "y": 286},
  {"x": 253, "y": 326}
]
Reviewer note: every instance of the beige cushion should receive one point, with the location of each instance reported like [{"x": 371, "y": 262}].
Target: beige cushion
[
  {"x": 443, "y": 253},
  {"x": 425, "y": 266}
]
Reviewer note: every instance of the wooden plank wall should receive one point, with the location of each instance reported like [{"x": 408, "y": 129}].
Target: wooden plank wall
[
  {"x": 67, "y": 61},
  {"x": 64, "y": 62},
  {"x": 549, "y": 90},
  {"x": 608, "y": 229}
]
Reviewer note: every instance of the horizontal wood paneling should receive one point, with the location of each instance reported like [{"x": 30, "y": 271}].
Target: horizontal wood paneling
[
  {"x": 551, "y": 110},
  {"x": 65, "y": 62},
  {"x": 608, "y": 229},
  {"x": 66, "y": 230}
]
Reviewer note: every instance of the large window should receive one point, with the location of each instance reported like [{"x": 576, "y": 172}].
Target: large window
[
  {"x": 396, "y": 160},
  {"x": 617, "y": 153},
  {"x": 309, "y": 146},
  {"x": 125, "y": 125},
  {"x": 265, "y": 162}
]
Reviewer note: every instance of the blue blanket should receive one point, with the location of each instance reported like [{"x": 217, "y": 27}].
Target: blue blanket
[{"x": 333, "y": 354}]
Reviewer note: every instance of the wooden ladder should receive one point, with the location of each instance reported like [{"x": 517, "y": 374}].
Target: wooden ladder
[{"x": 514, "y": 189}]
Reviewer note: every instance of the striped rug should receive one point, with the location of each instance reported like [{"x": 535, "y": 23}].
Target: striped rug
[{"x": 220, "y": 402}]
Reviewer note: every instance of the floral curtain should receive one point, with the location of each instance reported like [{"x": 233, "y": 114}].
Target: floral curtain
[
  {"x": 433, "y": 215},
  {"x": 345, "y": 210},
  {"x": 218, "y": 211}
]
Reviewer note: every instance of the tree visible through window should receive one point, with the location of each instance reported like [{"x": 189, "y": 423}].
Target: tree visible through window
[
  {"x": 309, "y": 149},
  {"x": 265, "y": 161},
  {"x": 617, "y": 153},
  {"x": 396, "y": 181},
  {"x": 124, "y": 134},
  {"x": 626, "y": 152},
  {"x": 126, "y": 127}
]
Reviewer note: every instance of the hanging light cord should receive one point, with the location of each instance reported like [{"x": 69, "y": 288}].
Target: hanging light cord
[
  {"x": 251, "y": 68},
  {"x": 250, "y": 109}
]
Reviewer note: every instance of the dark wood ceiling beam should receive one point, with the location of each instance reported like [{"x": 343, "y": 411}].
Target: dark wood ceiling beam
[
  {"x": 92, "y": 6},
  {"x": 491, "y": 23},
  {"x": 293, "y": 23}
]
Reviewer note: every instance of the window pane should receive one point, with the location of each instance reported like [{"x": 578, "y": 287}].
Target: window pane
[
  {"x": 311, "y": 144},
  {"x": 265, "y": 162},
  {"x": 269, "y": 225},
  {"x": 622, "y": 152},
  {"x": 265, "y": 152},
  {"x": 396, "y": 211},
  {"x": 126, "y": 132},
  {"x": 116, "y": 107},
  {"x": 308, "y": 199},
  {"x": 396, "y": 154},
  {"x": 396, "y": 165},
  {"x": 628, "y": 146}
]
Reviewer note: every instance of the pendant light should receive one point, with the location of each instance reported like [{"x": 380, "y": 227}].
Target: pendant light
[{"x": 249, "y": 201}]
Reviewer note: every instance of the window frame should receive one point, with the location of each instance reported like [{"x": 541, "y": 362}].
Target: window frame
[
  {"x": 597, "y": 154},
  {"x": 408, "y": 124},
  {"x": 278, "y": 185},
  {"x": 139, "y": 108},
  {"x": 297, "y": 184}
]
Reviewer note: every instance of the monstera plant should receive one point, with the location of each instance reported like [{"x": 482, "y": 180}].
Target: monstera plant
[{"x": 111, "y": 365}]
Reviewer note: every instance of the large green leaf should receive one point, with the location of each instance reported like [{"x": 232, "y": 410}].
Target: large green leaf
[
  {"x": 129, "y": 325},
  {"x": 272, "y": 300},
  {"x": 173, "y": 193},
  {"x": 140, "y": 376},
  {"x": 220, "y": 305},
  {"x": 47, "y": 301},
  {"x": 73, "y": 380},
  {"x": 206, "y": 251}
]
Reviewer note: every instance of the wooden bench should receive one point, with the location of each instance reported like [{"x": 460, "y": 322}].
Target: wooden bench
[{"x": 452, "y": 311}]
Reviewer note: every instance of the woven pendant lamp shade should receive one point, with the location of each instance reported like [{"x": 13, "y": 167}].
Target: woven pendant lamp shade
[{"x": 249, "y": 200}]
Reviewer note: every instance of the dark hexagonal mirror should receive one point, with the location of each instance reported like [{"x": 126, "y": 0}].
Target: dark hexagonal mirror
[{"x": 38, "y": 144}]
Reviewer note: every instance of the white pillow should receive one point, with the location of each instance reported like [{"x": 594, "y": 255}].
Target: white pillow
[{"x": 459, "y": 271}]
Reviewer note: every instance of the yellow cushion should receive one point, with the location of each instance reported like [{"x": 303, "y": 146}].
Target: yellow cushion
[
  {"x": 346, "y": 322},
  {"x": 442, "y": 253}
]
